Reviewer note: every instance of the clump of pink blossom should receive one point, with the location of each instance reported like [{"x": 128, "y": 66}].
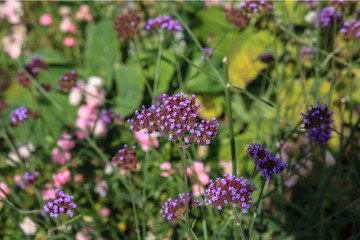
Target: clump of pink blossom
[
  {"x": 61, "y": 178},
  {"x": 4, "y": 188},
  {"x": 45, "y": 19},
  {"x": 83, "y": 14},
  {"x": 69, "y": 41},
  {"x": 198, "y": 173},
  {"x": 166, "y": 170},
  {"x": 147, "y": 140}
]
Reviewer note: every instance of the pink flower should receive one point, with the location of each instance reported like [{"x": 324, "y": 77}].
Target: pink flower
[
  {"x": 166, "y": 167},
  {"x": 61, "y": 178},
  {"x": 65, "y": 11},
  {"x": 4, "y": 187},
  {"x": 66, "y": 142},
  {"x": 75, "y": 95},
  {"x": 198, "y": 190},
  {"x": 102, "y": 188},
  {"x": 100, "y": 128},
  {"x": 17, "y": 179},
  {"x": 60, "y": 157},
  {"x": 87, "y": 112},
  {"x": 225, "y": 165},
  {"x": 49, "y": 192},
  {"x": 45, "y": 19},
  {"x": 69, "y": 41},
  {"x": 200, "y": 170},
  {"x": 147, "y": 140},
  {"x": 67, "y": 25},
  {"x": 95, "y": 96},
  {"x": 104, "y": 212},
  {"x": 79, "y": 177},
  {"x": 84, "y": 13}
]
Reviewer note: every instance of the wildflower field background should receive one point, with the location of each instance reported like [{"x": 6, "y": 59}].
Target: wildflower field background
[{"x": 180, "y": 120}]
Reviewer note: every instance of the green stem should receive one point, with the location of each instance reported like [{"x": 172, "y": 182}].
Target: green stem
[
  {"x": 143, "y": 220},
  {"x": 238, "y": 223},
  {"x": 186, "y": 189},
  {"x": 137, "y": 230},
  {"x": 342, "y": 135},
  {"x": 158, "y": 60},
  {"x": 230, "y": 120},
  {"x": 256, "y": 212}
]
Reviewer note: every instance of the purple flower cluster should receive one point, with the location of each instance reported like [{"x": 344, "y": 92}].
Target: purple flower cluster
[
  {"x": 265, "y": 161},
  {"x": 29, "y": 179},
  {"x": 126, "y": 159},
  {"x": 317, "y": 121},
  {"x": 19, "y": 115},
  {"x": 107, "y": 115},
  {"x": 175, "y": 209},
  {"x": 32, "y": 68},
  {"x": 307, "y": 51},
  {"x": 238, "y": 17},
  {"x": 351, "y": 29},
  {"x": 68, "y": 80},
  {"x": 230, "y": 189},
  {"x": 178, "y": 117},
  {"x": 256, "y": 6},
  {"x": 328, "y": 16},
  {"x": 126, "y": 26},
  {"x": 209, "y": 52},
  {"x": 61, "y": 204},
  {"x": 163, "y": 22}
]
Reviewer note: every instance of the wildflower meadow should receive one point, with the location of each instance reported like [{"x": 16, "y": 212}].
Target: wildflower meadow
[{"x": 171, "y": 120}]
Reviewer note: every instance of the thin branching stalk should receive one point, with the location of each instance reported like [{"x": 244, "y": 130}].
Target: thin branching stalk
[
  {"x": 238, "y": 223},
  {"x": 256, "y": 212},
  {"x": 137, "y": 229},
  {"x": 183, "y": 150},
  {"x": 158, "y": 61}
]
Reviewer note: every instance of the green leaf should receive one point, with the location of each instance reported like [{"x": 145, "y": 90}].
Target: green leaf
[
  {"x": 101, "y": 51},
  {"x": 51, "y": 56},
  {"x": 130, "y": 87}
]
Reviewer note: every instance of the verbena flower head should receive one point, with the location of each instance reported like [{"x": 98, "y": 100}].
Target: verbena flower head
[
  {"x": 269, "y": 166},
  {"x": 256, "y": 6},
  {"x": 61, "y": 204},
  {"x": 29, "y": 179},
  {"x": 175, "y": 209},
  {"x": 317, "y": 121},
  {"x": 22, "y": 79},
  {"x": 351, "y": 30},
  {"x": 19, "y": 114},
  {"x": 307, "y": 51},
  {"x": 126, "y": 158},
  {"x": 126, "y": 26},
  {"x": 258, "y": 152},
  {"x": 34, "y": 65},
  {"x": 177, "y": 116},
  {"x": 328, "y": 16},
  {"x": 230, "y": 189},
  {"x": 209, "y": 52},
  {"x": 68, "y": 80},
  {"x": 238, "y": 17},
  {"x": 106, "y": 116},
  {"x": 163, "y": 22}
]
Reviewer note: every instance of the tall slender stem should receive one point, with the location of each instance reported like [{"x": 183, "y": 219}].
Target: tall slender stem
[
  {"x": 143, "y": 222},
  {"x": 256, "y": 212},
  {"x": 137, "y": 230},
  {"x": 186, "y": 190},
  {"x": 158, "y": 60},
  {"x": 229, "y": 116},
  {"x": 238, "y": 223}
]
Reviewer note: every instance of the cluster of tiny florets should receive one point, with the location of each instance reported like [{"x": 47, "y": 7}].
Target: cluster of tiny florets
[
  {"x": 230, "y": 189},
  {"x": 68, "y": 80},
  {"x": 107, "y": 116},
  {"x": 175, "y": 209},
  {"x": 20, "y": 114},
  {"x": 126, "y": 158},
  {"x": 126, "y": 26},
  {"x": 29, "y": 179},
  {"x": 61, "y": 204},
  {"x": 265, "y": 161},
  {"x": 351, "y": 29},
  {"x": 317, "y": 121},
  {"x": 307, "y": 51},
  {"x": 163, "y": 22},
  {"x": 256, "y": 6},
  {"x": 238, "y": 17},
  {"x": 32, "y": 68},
  {"x": 270, "y": 165},
  {"x": 177, "y": 116},
  {"x": 209, "y": 52},
  {"x": 328, "y": 16}
]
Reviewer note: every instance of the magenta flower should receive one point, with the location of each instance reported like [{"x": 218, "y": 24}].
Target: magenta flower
[
  {"x": 209, "y": 52},
  {"x": 174, "y": 209},
  {"x": 328, "y": 16},
  {"x": 61, "y": 178},
  {"x": 351, "y": 30},
  {"x": 60, "y": 156},
  {"x": 66, "y": 142},
  {"x": 147, "y": 140},
  {"x": 177, "y": 117},
  {"x": 45, "y": 19},
  {"x": 29, "y": 179},
  {"x": 230, "y": 190},
  {"x": 61, "y": 204},
  {"x": 163, "y": 22}
]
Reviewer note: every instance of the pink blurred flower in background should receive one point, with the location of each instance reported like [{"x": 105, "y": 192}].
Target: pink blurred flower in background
[
  {"x": 4, "y": 188},
  {"x": 12, "y": 10},
  {"x": 75, "y": 95},
  {"x": 200, "y": 174},
  {"x": 66, "y": 142},
  {"x": 13, "y": 42},
  {"x": 17, "y": 179},
  {"x": 49, "y": 192},
  {"x": 28, "y": 226},
  {"x": 64, "y": 11},
  {"x": 104, "y": 212},
  {"x": 69, "y": 41},
  {"x": 45, "y": 19},
  {"x": 102, "y": 188},
  {"x": 147, "y": 140},
  {"x": 78, "y": 177},
  {"x": 67, "y": 25},
  {"x": 84, "y": 13},
  {"x": 59, "y": 156},
  {"x": 166, "y": 169},
  {"x": 61, "y": 178}
]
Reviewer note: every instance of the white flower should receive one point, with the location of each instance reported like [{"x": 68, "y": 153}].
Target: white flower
[
  {"x": 94, "y": 81},
  {"x": 101, "y": 188},
  {"x": 28, "y": 226},
  {"x": 329, "y": 159},
  {"x": 24, "y": 152},
  {"x": 310, "y": 18}
]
